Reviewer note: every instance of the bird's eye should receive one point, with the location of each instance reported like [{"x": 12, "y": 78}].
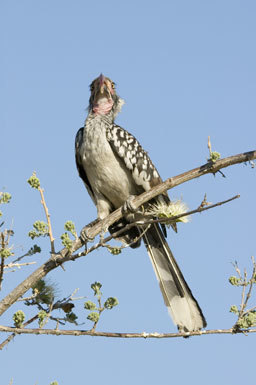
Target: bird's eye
[
  {"x": 113, "y": 85},
  {"x": 92, "y": 87}
]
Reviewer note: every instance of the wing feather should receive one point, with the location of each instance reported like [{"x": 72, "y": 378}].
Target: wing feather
[{"x": 79, "y": 163}]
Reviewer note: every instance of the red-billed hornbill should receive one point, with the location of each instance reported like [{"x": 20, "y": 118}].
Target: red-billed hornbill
[{"x": 114, "y": 167}]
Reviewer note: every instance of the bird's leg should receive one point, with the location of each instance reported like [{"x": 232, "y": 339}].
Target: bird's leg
[{"x": 84, "y": 232}]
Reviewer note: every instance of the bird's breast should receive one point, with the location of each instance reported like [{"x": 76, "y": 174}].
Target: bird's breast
[{"x": 106, "y": 171}]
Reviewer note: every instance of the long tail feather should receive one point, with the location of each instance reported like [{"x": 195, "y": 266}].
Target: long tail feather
[{"x": 182, "y": 305}]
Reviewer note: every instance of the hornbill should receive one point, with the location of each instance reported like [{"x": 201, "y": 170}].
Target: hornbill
[{"x": 114, "y": 167}]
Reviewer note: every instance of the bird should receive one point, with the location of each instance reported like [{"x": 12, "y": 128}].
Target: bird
[{"x": 114, "y": 168}]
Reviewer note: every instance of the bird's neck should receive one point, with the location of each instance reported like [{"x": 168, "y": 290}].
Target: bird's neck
[
  {"x": 106, "y": 109},
  {"x": 103, "y": 118},
  {"x": 103, "y": 106}
]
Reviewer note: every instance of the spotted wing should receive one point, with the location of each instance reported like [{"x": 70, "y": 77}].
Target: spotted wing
[{"x": 126, "y": 146}]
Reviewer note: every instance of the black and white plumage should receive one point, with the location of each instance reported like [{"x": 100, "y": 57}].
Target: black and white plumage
[{"x": 114, "y": 166}]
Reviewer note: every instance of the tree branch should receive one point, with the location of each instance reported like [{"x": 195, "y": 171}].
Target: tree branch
[
  {"x": 19, "y": 265},
  {"x": 64, "y": 255},
  {"x": 8, "y": 329},
  {"x": 11, "y": 336},
  {"x": 170, "y": 183},
  {"x": 47, "y": 218},
  {"x": 103, "y": 241}
]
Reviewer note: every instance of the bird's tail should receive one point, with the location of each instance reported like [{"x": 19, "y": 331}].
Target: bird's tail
[{"x": 182, "y": 306}]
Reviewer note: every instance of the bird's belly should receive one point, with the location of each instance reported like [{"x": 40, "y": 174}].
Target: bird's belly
[{"x": 108, "y": 175}]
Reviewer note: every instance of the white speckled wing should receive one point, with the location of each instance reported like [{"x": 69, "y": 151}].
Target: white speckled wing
[{"x": 135, "y": 158}]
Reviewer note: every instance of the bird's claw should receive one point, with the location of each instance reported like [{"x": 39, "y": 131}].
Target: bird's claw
[
  {"x": 85, "y": 236},
  {"x": 128, "y": 206}
]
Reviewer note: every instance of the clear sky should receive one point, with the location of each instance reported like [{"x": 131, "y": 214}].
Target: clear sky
[{"x": 186, "y": 70}]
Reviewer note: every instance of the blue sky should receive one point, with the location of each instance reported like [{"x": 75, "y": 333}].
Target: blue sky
[{"x": 186, "y": 70}]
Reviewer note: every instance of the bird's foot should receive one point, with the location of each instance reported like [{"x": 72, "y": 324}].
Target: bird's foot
[
  {"x": 128, "y": 206},
  {"x": 84, "y": 232}
]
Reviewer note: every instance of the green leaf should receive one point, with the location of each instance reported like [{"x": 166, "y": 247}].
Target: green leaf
[
  {"x": 235, "y": 281},
  {"x": 70, "y": 226},
  {"x": 89, "y": 305},
  {"x": 111, "y": 302},
  {"x": 40, "y": 229},
  {"x": 234, "y": 309},
  {"x": 5, "y": 253},
  {"x": 34, "y": 181},
  {"x": 114, "y": 250},
  {"x": 96, "y": 286},
  {"x": 214, "y": 156},
  {"x": 94, "y": 317},
  {"x": 33, "y": 250},
  {"x": 66, "y": 241},
  {"x": 248, "y": 321},
  {"x": 5, "y": 197},
  {"x": 18, "y": 318},
  {"x": 41, "y": 316}
]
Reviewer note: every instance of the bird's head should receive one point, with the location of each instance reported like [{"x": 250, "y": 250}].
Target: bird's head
[{"x": 104, "y": 99}]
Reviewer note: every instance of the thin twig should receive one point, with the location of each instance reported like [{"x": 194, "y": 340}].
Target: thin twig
[
  {"x": 242, "y": 306},
  {"x": 209, "y": 145},
  {"x": 251, "y": 283},
  {"x": 64, "y": 255},
  {"x": 204, "y": 202},
  {"x": 22, "y": 256},
  {"x": 1, "y": 271},
  {"x": 11, "y": 265},
  {"x": 48, "y": 219},
  {"x": 2, "y": 260},
  {"x": 28, "y": 298}
]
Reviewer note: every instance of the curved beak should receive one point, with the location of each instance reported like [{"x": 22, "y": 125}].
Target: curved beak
[
  {"x": 102, "y": 88},
  {"x": 102, "y": 83}
]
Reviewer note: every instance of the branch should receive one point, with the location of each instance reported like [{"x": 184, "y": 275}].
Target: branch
[
  {"x": 2, "y": 260},
  {"x": 186, "y": 214},
  {"x": 11, "y": 265},
  {"x": 8, "y": 329},
  {"x": 48, "y": 218},
  {"x": 64, "y": 255},
  {"x": 11, "y": 336},
  {"x": 170, "y": 183},
  {"x": 103, "y": 241}
]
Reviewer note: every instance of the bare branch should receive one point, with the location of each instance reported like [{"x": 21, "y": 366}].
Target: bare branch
[
  {"x": 48, "y": 218},
  {"x": 58, "y": 332},
  {"x": 18, "y": 265},
  {"x": 64, "y": 255}
]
